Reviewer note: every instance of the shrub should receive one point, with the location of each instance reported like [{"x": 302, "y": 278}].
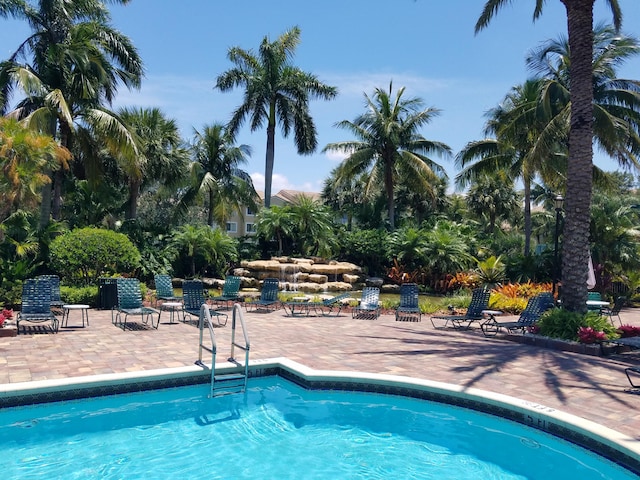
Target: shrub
[
  {"x": 80, "y": 295},
  {"x": 626, "y": 331},
  {"x": 589, "y": 335},
  {"x": 566, "y": 325},
  {"x": 88, "y": 253}
]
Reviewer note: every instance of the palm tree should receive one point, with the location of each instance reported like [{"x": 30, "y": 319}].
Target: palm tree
[
  {"x": 314, "y": 225},
  {"x": 74, "y": 63},
  {"x": 580, "y": 162},
  {"x": 493, "y": 198},
  {"x": 275, "y": 222},
  {"x": 517, "y": 146},
  {"x": 160, "y": 160},
  {"x": 275, "y": 91},
  {"x": 216, "y": 175},
  {"x": 389, "y": 143}
]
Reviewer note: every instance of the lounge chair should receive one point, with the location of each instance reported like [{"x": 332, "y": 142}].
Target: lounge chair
[
  {"x": 130, "y": 303},
  {"x": 596, "y": 297},
  {"x": 536, "y": 307},
  {"x": 327, "y": 307},
  {"x": 193, "y": 297},
  {"x": 164, "y": 289},
  {"x": 408, "y": 310},
  {"x": 36, "y": 304},
  {"x": 56, "y": 302},
  {"x": 479, "y": 302},
  {"x": 229, "y": 293},
  {"x": 369, "y": 306},
  {"x": 268, "y": 296}
]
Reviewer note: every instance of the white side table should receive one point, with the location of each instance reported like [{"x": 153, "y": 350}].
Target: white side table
[
  {"x": 84, "y": 312},
  {"x": 172, "y": 308}
]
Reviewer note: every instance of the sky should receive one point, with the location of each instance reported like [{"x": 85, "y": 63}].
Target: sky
[{"x": 427, "y": 46}]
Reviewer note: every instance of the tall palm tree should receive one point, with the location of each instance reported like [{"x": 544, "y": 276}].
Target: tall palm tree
[
  {"x": 515, "y": 145},
  {"x": 580, "y": 161},
  {"x": 216, "y": 175},
  {"x": 73, "y": 63},
  {"x": 161, "y": 159},
  {"x": 275, "y": 91},
  {"x": 389, "y": 143}
]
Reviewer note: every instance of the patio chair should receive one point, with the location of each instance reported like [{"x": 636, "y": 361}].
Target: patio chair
[
  {"x": 479, "y": 302},
  {"x": 193, "y": 297},
  {"x": 56, "y": 302},
  {"x": 164, "y": 289},
  {"x": 327, "y": 307},
  {"x": 369, "y": 306},
  {"x": 36, "y": 304},
  {"x": 408, "y": 310},
  {"x": 615, "y": 310},
  {"x": 130, "y": 303},
  {"x": 229, "y": 293},
  {"x": 268, "y": 296},
  {"x": 536, "y": 307}
]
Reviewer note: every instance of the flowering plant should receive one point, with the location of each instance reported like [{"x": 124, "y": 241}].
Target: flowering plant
[
  {"x": 629, "y": 331},
  {"x": 589, "y": 335},
  {"x": 5, "y": 315}
]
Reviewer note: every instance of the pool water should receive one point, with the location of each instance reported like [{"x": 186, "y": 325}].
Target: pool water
[{"x": 279, "y": 430}]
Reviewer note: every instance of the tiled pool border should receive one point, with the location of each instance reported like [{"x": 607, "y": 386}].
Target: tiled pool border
[{"x": 608, "y": 443}]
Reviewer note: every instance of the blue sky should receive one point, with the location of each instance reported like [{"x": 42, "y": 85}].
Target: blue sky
[{"x": 427, "y": 46}]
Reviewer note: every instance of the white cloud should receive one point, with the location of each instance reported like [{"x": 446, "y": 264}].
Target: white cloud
[
  {"x": 280, "y": 182},
  {"x": 336, "y": 156}
]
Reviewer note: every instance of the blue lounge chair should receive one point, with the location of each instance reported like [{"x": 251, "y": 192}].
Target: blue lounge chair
[
  {"x": 56, "y": 302},
  {"x": 536, "y": 307},
  {"x": 327, "y": 307},
  {"x": 479, "y": 303},
  {"x": 408, "y": 310},
  {"x": 193, "y": 298},
  {"x": 268, "y": 296},
  {"x": 369, "y": 306},
  {"x": 36, "y": 304},
  {"x": 130, "y": 303}
]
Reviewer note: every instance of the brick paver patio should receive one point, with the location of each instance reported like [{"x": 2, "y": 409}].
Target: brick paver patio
[{"x": 586, "y": 386}]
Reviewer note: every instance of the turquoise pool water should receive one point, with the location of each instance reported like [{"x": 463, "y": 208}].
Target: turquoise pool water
[{"x": 280, "y": 431}]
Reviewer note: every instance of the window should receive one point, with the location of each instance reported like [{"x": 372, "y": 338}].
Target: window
[
  {"x": 232, "y": 227},
  {"x": 250, "y": 228},
  {"x": 250, "y": 212}
]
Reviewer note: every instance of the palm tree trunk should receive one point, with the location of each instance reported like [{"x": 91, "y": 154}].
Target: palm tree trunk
[
  {"x": 575, "y": 256},
  {"x": 527, "y": 216},
  {"x": 388, "y": 185},
  {"x": 210, "y": 214},
  {"x": 45, "y": 204},
  {"x": 268, "y": 163},
  {"x": 134, "y": 192}
]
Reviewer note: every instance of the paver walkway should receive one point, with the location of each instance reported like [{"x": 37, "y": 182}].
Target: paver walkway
[{"x": 587, "y": 386}]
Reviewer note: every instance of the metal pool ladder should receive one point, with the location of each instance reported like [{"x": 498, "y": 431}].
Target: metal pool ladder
[{"x": 231, "y": 382}]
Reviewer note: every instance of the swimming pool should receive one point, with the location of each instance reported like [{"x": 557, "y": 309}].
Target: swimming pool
[{"x": 280, "y": 430}]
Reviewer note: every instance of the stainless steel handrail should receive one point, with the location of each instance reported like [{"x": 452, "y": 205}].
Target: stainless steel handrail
[{"x": 247, "y": 345}]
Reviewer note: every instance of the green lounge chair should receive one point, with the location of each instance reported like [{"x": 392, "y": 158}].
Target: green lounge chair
[
  {"x": 164, "y": 289},
  {"x": 408, "y": 310},
  {"x": 229, "y": 293},
  {"x": 193, "y": 297},
  {"x": 536, "y": 307},
  {"x": 268, "y": 300},
  {"x": 479, "y": 303},
  {"x": 130, "y": 303}
]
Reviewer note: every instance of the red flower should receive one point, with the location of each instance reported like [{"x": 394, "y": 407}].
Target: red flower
[{"x": 6, "y": 313}]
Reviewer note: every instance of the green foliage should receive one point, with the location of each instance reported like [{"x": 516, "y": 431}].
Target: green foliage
[
  {"x": 367, "y": 249},
  {"x": 203, "y": 250},
  {"x": 80, "y": 295},
  {"x": 563, "y": 324},
  {"x": 491, "y": 271},
  {"x": 85, "y": 254}
]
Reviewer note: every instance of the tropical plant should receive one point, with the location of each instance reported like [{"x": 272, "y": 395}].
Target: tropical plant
[
  {"x": 205, "y": 247},
  {"x": 274, "y": 91},
  {"x": 388, "y": 142},
  {"x": 216, "y": 175},
  {"x": 491, "y": 271},
  {"x": 161, "y": 160},
  {"x": 493, "y": 198},
  {"x": 74, "y": 61},
  {"x": 25, "y": 159},
  {"x": 313, "y": 226},
  {"x": 275, "y": 222},
  {"x": 580, "y": 159}
]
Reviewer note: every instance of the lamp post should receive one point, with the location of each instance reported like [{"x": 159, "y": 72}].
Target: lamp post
[{"x": 558, "y": 203}]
